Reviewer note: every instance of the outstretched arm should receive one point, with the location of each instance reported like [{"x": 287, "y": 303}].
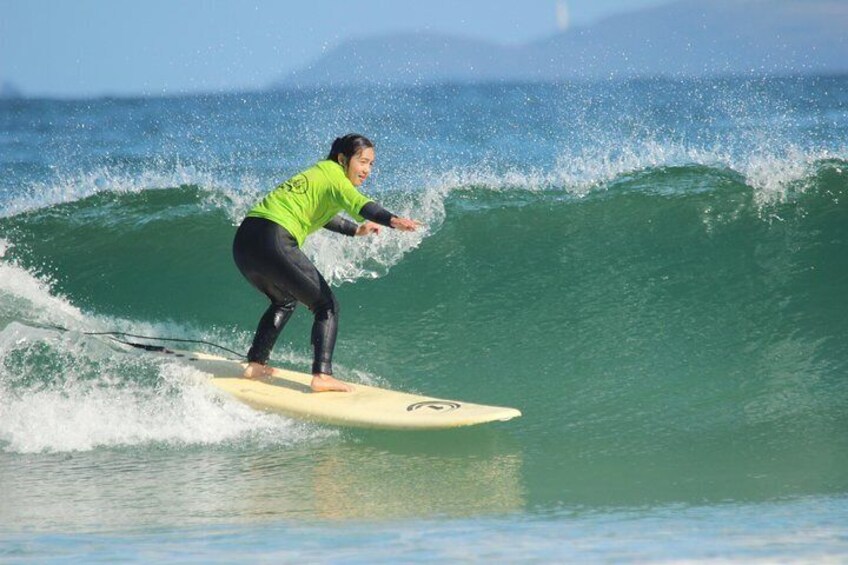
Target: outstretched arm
[
  {"x": 376, "y": 213},
  {"x": 345, "y": 227}
]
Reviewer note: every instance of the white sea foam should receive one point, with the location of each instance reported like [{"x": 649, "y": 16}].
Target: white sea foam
[
  {"x": 21, "y": 291},
  {"x": 772, "y": 175},
  {"x": 64, "y": 391},
  {"x": 180, "y": 410},
  {"x": 81, "y": 399},
  {"x": 74, "y": 186},
  {"x": 345, "y": 259}
]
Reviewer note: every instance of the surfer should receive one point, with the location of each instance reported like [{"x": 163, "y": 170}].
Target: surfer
[{"x": 267, "y": 251}]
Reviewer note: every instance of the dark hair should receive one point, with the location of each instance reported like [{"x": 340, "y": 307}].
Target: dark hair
[{"x": 348, "y": 145}]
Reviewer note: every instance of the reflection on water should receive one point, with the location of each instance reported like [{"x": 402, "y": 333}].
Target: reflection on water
[
  {"x": 366, "y": 476},
  {"x": 389, "y": 485}
]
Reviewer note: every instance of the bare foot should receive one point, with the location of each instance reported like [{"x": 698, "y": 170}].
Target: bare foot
[
  {"x": 326, "y": 383},
  {"x": 256, "y": 371}
]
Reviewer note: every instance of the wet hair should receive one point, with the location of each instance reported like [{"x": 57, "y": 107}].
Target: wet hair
[{"x": 348, "y": 145}]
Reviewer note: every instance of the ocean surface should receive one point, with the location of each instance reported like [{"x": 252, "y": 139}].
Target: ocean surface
[{"x": 654, "y": 272}]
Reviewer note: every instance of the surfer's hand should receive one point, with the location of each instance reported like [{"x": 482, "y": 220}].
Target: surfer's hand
[
  {"x": 368, "y": 228},
  {"x": 405, "y": 224}
]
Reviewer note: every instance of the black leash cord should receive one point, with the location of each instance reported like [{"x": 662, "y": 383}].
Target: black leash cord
[{"x": 153, "y": 338}]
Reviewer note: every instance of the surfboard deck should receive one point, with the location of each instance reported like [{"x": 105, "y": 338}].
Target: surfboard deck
[{"x": 288, "y": 393}]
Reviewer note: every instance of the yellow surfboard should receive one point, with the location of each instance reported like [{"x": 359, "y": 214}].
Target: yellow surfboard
[{"x": 288, "y": 393}]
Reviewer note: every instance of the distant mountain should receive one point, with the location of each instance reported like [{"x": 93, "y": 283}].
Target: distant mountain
[
  {"x": 684, "y": 38},
  {"x": 9, "y": 90},
  {"x": 406, "y": 59}
]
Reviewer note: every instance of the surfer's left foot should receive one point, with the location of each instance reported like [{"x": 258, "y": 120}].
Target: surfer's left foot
[{"x": 326, "y": 383}]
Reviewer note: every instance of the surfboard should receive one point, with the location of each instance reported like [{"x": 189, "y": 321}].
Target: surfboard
[{"x": 288, "y": 393}]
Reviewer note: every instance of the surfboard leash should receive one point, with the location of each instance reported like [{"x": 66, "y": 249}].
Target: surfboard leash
[{"x": 147, "y": 347}]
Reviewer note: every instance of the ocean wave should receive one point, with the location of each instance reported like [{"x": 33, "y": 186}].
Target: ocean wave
[
  {"x": 66, "y": 391},
  {"x": 769, "y": 170},
  {"x": 660, "y": 271},
  {"x": 123, "y": 210},
  {"x": 74, "y": 186}
]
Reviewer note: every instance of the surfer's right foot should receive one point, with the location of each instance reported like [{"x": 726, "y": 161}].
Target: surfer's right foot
[
  {"x": 326, "y": 383},
  {"x": 256, "y": 370}
]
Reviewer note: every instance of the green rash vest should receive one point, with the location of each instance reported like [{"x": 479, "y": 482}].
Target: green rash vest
[{"x": 307, "y": 201}]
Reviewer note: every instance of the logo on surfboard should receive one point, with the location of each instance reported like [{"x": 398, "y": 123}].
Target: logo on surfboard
[{"x": 435, "y": 405}]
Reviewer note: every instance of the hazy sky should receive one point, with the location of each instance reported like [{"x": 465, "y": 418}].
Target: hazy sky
[{"x": 95, "y": 47}]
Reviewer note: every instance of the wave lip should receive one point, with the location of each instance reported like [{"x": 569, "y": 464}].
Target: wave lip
[{"x": 772, "y": 176}]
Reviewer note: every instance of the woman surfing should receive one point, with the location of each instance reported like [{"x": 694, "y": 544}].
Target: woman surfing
[{"x": 267, "y": 250}]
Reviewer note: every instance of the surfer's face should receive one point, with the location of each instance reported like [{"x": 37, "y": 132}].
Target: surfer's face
[{"x": 359, "y": 166}]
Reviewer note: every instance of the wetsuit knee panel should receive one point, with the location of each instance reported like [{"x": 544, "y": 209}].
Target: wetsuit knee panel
[{"x": 326, "y": 307}]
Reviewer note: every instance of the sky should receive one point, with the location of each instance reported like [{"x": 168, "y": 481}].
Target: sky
[{"x": 85, "y": 48}]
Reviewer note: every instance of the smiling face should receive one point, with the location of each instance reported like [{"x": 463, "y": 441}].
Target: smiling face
[{"x": 358, "y": 167}]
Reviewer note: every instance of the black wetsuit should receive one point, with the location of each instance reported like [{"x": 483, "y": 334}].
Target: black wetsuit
[{"x": 268, "y": 256}]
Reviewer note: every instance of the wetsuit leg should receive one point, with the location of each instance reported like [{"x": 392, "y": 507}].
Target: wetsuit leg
[
  {"x": 324, "y": 328},
  {"x": 270, "y": 326},
  {"x": 268, "y": 256}
]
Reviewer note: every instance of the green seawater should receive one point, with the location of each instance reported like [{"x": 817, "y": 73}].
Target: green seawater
[{"x": 662, "y": 295}]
